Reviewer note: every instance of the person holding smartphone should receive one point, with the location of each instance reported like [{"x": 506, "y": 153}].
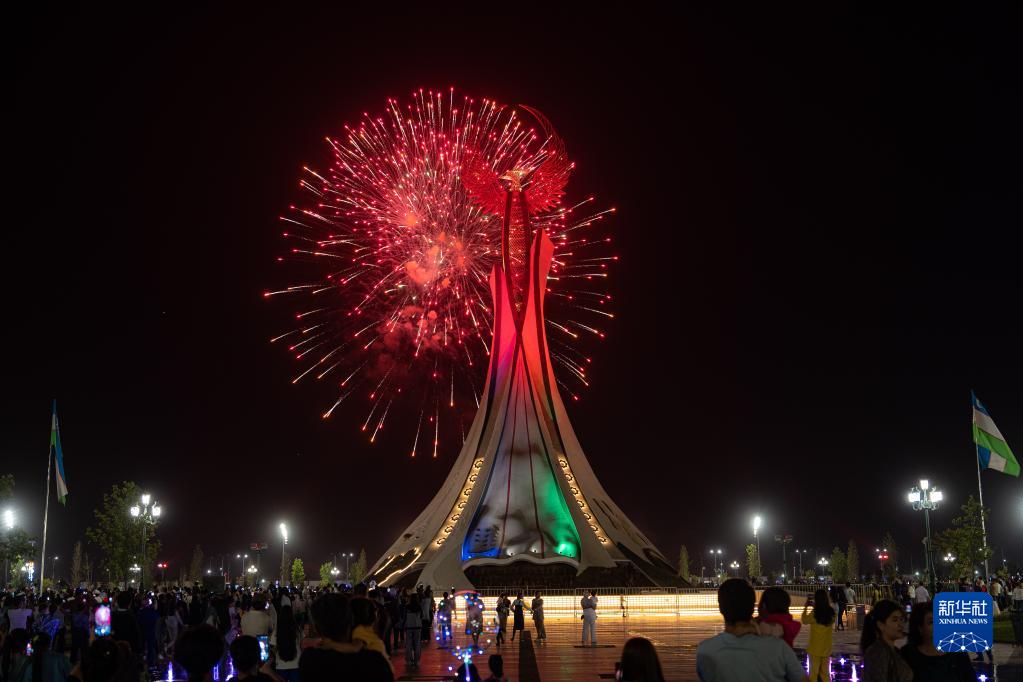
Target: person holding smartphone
[{"x": 248, "y": 662}]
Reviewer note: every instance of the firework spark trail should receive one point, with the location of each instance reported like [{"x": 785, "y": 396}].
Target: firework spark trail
[{"x": 402, "y": 256}]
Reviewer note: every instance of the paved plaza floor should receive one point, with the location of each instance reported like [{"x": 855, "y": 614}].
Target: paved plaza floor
[{"x": 562, "y": 658}]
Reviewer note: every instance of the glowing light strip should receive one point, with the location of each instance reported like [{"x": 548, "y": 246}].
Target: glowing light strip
[
  {"x": 699, "y": 605},
  {"x": 463, "y": 499},
  {"x": 383, "y": 581},
  {"x": 581, "y": 501}
]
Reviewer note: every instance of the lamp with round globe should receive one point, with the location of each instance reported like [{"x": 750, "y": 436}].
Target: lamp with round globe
[
  {"x": 926, "y": 498},
  {"x": 146, "y": 513},
  {"x": 757, "y": 522}
]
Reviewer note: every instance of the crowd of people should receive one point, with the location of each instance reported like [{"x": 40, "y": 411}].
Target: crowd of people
[
  {"x": 302, "y": 634},
  {"x": 760, "y": 646},
  {"x": 195, "y": 633},
  {"x": 271, "y": 635}
]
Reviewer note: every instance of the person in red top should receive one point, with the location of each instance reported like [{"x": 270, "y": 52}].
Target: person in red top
[{"x": 774, "y": 618}]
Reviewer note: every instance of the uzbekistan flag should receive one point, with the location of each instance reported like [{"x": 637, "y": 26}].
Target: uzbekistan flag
[
  {"x": 58, "y": 456},
  {"x": 992, "y": 450}
]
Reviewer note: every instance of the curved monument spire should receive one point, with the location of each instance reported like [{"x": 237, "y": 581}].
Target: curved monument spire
[{"x": 521, "y": 491}]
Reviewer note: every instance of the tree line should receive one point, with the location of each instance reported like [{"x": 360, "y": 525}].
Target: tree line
[{"x": 962, "y": 542}]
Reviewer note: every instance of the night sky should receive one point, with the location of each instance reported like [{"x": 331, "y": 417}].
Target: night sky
[{"x": 818, "y": 223}]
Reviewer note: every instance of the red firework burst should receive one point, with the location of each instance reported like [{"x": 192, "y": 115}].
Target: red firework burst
[{"x": 399, "y": 253}]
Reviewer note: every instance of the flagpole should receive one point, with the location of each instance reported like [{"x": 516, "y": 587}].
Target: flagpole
[
  {"x": 980, "y": 494},
  {"x": 983, "y": 526},
  {"x": 46, "y": 510}
]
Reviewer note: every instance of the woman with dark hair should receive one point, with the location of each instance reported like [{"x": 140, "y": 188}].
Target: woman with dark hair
[
  {"x": 288, "y": 638},
  {"x": 518, "y": 616},
  {"x": 104, "y": 661},
  {"x": 536, "y": 608},
  {"x": 820, "y": 622},
  {"x": 413, "y": 616},
  {"x": 929, "y": 664},
  {"x": 198, "y": 650},
  {"x": 503, "y": 609},
  {"x": 882, "y": 627},
  {"x": 45, "y": 665},
  {"x": 14, "y": 659},
  {"x": 639, "y": 662},
  {"x": 470, "y": 673},
  {"x": 79, "y": 629},
  {"x": 337, "y": 658}
]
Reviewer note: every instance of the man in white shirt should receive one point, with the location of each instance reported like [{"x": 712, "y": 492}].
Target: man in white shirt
[
  {"x": 19, "y": 615},
  {"x": 921, "y": 596},
  {"x": 589, "y": 606},
  {"x": 256, "y": 621},
  {"x": 739, "y": 653}
]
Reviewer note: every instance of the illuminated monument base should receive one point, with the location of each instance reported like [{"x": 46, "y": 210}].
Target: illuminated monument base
[{"x": 521, "y": 504}]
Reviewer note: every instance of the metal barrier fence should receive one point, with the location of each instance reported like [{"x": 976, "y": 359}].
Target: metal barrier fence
[{"x": 622, "y": 602}]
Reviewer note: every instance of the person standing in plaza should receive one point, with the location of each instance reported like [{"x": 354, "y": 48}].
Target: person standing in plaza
[
  {"x": 256, "y": 621},
  {"x": 774, "y": 618},
  {"x": 536, "y": 608},
  {"x": 875, "y": 593},
  {"x": 413, "y": 630},
  {"x": 19, "y": 617},
  {"x": 426, "y": 614},
  {"x": 739, "y": 653},
  {"x": 503, "y": 609},
  {"x": 496, "y": 665},
  {"x": 850, "y": 601},
  {"x": 519, "y": 618},
  {"x": 820, "y": 621},
  {"x": 589, "y": 606},
  {"x": 838, "y": 597},
  {"x": 921, "y": 595},
  {"x": 401, "y": 602},
  {"x": 640, "y": 662},
  {"x": 444, "y": 612},
  {"x": 882, "y": 628},
  {"x": 287, "y": 639},
  {"x": 337, "y": 657},
  {"x": 474, "y": 618},
  {"x": 929, "y": 664}
]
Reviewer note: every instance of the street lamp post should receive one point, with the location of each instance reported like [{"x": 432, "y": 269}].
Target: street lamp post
[
  {"x": 800, "y": 553},
  {"x": 949, "y": 559},
  {"x": 347, "y": 556},
  {"x": 284, "y": 535},
  {"x": 882, "y": 556},
  {"x": 146, "y": 512},
  {"x": 715, "y": 554},
  {"x": 783, "y": 539},
  {"x": 735, "y": 568},
  {"x": 8, "y": 526},
  {"x": 135, "y": 569},
  {"x": 756, "y": 536},
  {"x": 926, "y": 498},
  {"x": 335, "y": 573},
  {"x": 823, "y": 563},
  {"x": 53, "y": 571},
  {"x": 241, "y": 563}
]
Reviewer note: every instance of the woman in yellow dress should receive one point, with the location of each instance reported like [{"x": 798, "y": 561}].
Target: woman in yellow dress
[{"x": 821, "y": 622}]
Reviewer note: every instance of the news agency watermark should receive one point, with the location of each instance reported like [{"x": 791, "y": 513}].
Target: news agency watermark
[{"x": 963, "y": 621}]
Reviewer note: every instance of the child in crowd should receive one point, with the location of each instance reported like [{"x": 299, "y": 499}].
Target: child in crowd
[
  {"x": 496, "y": 665},
  {"x": 364, "y": 618},
  {"x": 774, "y": 618}
]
